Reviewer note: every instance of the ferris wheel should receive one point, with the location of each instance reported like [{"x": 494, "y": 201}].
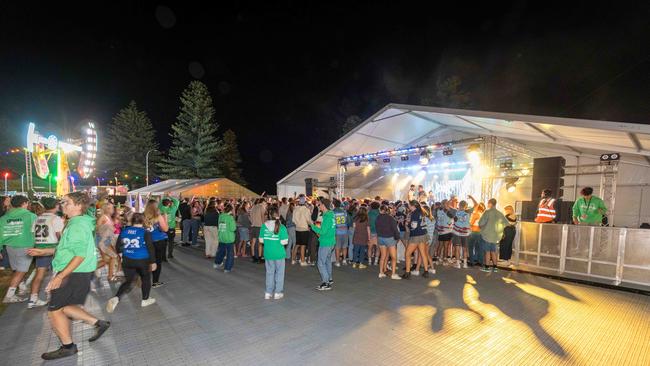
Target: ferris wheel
[{"x": 40, "y": 149}]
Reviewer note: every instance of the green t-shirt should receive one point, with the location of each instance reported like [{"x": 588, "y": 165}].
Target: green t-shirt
[
  {"x": 170, "y": 211},
  {"x": 589, "y": 211},
  {"x": 77, "y": 240},
  {"x": 274, "y": 244},
  {"x": 16, "y": 228}
]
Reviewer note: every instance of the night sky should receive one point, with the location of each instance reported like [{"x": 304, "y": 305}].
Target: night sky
[{"x": 285, "y": 77}]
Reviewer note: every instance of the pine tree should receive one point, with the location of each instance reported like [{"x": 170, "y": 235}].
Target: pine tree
[
  {"x": 125, "y": 146},
  {"x": 195, "y": 145},
  {"x": 230, "y": 158}
]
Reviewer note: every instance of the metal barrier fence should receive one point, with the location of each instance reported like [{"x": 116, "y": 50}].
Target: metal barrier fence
[{"x": 610, "y": 255}]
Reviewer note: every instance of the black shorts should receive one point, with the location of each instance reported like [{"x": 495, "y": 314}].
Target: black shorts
[
  {"x": 255, "y": 232},
  {"x": 445, "y": 237},
  {"x": 73, "y": 291},
  {"x": 302, "y": 237}
]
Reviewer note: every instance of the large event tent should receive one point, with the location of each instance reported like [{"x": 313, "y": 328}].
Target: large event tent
[
  {"x": 218, "y": 187},
  {"x": 518, "y": 137}
]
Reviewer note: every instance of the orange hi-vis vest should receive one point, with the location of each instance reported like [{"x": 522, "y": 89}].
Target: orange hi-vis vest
[
  {"x": 546, "y": 210},
  {"x": 473, "y": 221}
]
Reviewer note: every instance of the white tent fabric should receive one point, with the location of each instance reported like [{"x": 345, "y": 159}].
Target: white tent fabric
[
  {"x": 397, "y": 126},
  {"x": 222, "y": 187}
]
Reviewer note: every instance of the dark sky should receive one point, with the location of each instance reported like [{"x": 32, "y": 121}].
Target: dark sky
[{"x": 285, "y": 77}]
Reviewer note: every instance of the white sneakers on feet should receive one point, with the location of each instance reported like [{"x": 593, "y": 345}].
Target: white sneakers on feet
[
  {"x": 278, "y": 296},
  {"x": 415, "y": 273},
  {"x": 395, "y": 277},
  {"x": 303, "y": 264},
  {"x": 35, "y": 304},
  {"x": 267, "y": 296},
  {"x": 22, "y": 288},
  {"x": 432, "y": 271},
  {"x": 381, "y": 275},
  {"x": 338, "y": 264},
  {"x": 112, "y": 303},
  {"x": 293, "y": 262},
  {"x": 345, "y": 263},
  {"x": 465, "y": 264},
  {"x": 13, "y": 299},
  {"x": 147, "y": 302}
]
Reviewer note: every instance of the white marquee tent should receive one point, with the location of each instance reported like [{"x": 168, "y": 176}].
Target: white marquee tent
[{"x": 580, "y": 142}]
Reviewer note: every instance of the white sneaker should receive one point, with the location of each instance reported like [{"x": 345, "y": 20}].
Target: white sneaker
[
  {"x": 13, "y": 299},
  {"x": 267, "y": 296},
  {"x": 214, "y": 265},
  {"x": 147, "y": 302},
  {"x": 22, "y": 288},
  {"x": 464, "y": 264},
  {"x": 337, "y": 264},
  {"x": 432, "y": 271},
  {"x": 35, "y": 304},
  {"x": 395, "y": 277},
  {"x": 345, "y": 263},
  {"x": 303, "y": 264},
  {"x": 293, "y": 262},
  {"x": 381, "y": 275},
  {"x": 457, "y": 265},
  {"x": 112, "y": 303},
  {"x": 415, "y": 273},
  {"x": 278, "y": 296}
]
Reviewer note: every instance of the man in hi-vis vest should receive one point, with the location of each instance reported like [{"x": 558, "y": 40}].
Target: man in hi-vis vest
[{"x": 546, "y": 209}]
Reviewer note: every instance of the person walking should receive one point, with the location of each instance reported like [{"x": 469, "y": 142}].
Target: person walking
[
  {"x": 326, "y": 240},
  {"x": 138, "y": 258},
  {"x": 75, "y": 260},
  {"x": 492, "y": 223},
  {"x": 16, "y": 235},
  {"x": 274, "y": 237},
  {"x": 227, "y": 227}
]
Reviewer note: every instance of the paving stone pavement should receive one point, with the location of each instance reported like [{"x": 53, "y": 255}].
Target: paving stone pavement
[{"x": 456, "y": 317}]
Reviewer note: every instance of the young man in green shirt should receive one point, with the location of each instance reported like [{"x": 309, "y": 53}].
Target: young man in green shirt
[
  {"x": 588, "y": 209},
  {"x": 326, "y": 240},
  {"x": 16, "y": 234},
  {"x": 227, "y": 227},
  {"x": 75, "y": 260},
  {"x": 169, "y": 206}
]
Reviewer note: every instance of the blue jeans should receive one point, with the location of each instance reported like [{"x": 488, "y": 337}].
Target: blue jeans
[
  {"x": 350, "y": 245},
  {"x": 291, "y": 231},
  {"x": 228, "y": 251},
  {"x": 475, "y": 247},
  {"x": 360, "y": 253},
  {"x": 191, "y": 230},
  {"x": 274, "y": 276},
  {"x": 325, "y": 263}
]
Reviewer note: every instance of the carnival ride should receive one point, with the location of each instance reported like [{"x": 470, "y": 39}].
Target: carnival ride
[{"x": 40, "y": 149}]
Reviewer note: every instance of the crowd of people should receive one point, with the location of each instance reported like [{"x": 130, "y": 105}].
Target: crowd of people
[{"x": 89, "y": 243}]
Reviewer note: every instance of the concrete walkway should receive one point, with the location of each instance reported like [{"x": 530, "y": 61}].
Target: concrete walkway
[{"x": 457, "y": 317}]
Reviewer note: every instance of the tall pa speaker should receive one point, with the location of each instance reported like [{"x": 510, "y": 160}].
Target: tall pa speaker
[
  {"x": 310, "y": 186},
  {"x": 548, "y": 173}
]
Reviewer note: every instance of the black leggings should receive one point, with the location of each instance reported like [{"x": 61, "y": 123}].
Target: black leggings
[
  {"x": 171, "y": 234},
  {"x": 160, "y": 246},
  {"x": 130, "y": 273}
]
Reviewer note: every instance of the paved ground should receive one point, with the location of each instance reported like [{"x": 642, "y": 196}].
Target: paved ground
[{"x": 459, "y": 317}]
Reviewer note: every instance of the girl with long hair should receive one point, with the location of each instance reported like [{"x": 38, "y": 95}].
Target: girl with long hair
[
  {"x": 158, "y": 225},
  {"x": 105, "y": 240},
  {"x": 418, "y": 240},
  {"x": 274, "y": 237},
  {"x": 361, "y": 238}
]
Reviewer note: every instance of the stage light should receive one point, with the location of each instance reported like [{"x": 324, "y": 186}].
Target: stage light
[
  {"x": 473, "y": 153},
  {"x": 511, "y": 184},
  {"x": 404, "y": 158},
  {"x": 447, "y": 151},
  {"x": 424, "y": 158},
  {"x": 386, "y": 160},
  {"x": 357, "y": 163}
]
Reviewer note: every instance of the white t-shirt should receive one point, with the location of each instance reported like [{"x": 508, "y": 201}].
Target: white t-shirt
[{"x": 45, "y": 228}]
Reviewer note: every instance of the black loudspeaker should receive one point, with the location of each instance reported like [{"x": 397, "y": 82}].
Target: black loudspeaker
[
  {"x": 564, "y": 210},
  {"x": 548, "y": 173},
  {"x": 529, "y": 210},
  {"x": 310, "y": 186}
]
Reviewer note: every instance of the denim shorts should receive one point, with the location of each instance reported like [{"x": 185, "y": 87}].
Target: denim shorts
[
  {"x": 489, "y": 247},
  {"x": 342, "y": 241},
  {"x": 44, "y": 262},
  {"x": 386, "y": 242},
  {"x": 244, "y": 234}
]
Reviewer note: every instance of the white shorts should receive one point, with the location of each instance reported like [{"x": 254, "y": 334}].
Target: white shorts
[{"x": 18, "y": 259}]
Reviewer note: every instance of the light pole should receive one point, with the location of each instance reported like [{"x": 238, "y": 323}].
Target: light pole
[
  {"x": 6, "y": 175},
  {"x": 146, "y": 164},
  {"x": 22, "y": 183}
]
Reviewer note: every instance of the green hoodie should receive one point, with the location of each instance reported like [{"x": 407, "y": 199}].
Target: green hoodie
[
  {"x": 327, "y": 230},
  {"x": 16, "y": 228},
  {"x": 590, "y": 211},
  {"x": 77, "y": 240},
  {"x": 170, "y": 212},
  {"x": 227, "y": 227},
  {"x": 372, "y": 219}
]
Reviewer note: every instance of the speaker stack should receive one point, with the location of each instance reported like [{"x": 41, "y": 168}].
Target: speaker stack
[
  {"x": 310, "y": 186},
  {"x": 548, "y": 173}
]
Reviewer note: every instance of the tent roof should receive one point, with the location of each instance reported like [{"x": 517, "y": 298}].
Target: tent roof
[
  {"x": 176, "y": 186},
  {"x": 399, "y": 125}
]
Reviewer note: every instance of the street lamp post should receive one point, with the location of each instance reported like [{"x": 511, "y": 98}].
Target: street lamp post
[
  {"x": 146, "y": 164},
  {"x": 22, "y": 183},
  {"x": 6, "y": 175}
]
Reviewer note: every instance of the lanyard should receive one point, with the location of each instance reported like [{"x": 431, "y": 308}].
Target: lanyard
[{"x": 588, "y": 205}]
